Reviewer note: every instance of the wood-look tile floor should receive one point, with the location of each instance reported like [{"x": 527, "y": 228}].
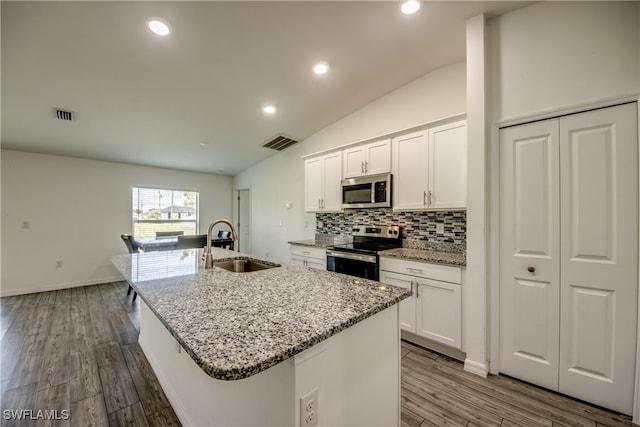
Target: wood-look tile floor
[{"x": 76, "y": 350}]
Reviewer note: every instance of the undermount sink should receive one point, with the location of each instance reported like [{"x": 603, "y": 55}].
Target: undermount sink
[{"x": 244, "y": 265}]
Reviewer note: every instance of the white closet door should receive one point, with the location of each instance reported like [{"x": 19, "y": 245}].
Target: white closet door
[
  {"x": 529, "y": 216},
  {"x": 599, "y": 259}
]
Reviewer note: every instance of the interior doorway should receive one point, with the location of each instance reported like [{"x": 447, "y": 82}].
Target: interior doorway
[{"x": 243, "y": 220}]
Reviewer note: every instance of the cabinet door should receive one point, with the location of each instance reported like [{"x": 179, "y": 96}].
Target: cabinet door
[
  {"x": 440, "y": 312},
  {"x": 448, "y": 166},
  {"x": 410, "y": 171},
  {"x": 407, "y": 310},
  {"x": 378, "y": 157},
  {"x": 353, "y": 161},
  {"x": 313, "y": 184},
  {"x": 332, "y": 190},
  {"x": 317, "y": 264},
  {"x": 298, "y": 260}
]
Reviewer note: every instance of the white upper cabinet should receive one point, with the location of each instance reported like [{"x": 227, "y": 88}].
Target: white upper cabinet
[
  {"x": 448, "y": 166},
  {"x": 367, "y": 159},
  {"x": 322, "y": 176},
  {"x": 410, "y": 171},
  {"x": 430, "y": 168}
]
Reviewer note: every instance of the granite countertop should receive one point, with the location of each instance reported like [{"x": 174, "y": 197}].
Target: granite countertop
[
  {"x": 235, "y": 325},
  {"x": 312, "y": 243},
  {"x": 437, "y": 257}
]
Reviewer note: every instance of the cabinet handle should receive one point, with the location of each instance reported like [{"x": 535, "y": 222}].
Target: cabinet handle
[
  {"x": 417, "y": 289},
  {"x": 305, "y": 252},
  {"x": 424, "y": 198},
  {"x": 319, "y": 204},
  {"x": 417, "y": 270},
  {"x": 322, "y": 203},
  {"x": 531, "y": 269},
  {"x": 366, "y": 166},
  {"x": 429, "y": 197},
  {"x": 362, "y": 166}
]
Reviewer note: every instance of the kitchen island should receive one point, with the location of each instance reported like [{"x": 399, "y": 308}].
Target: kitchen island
[{"x": 253, "y": 348}]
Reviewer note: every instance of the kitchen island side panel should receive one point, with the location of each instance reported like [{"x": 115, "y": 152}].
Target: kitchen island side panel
[
  {"x": 264, "y": 399},
  {"x": 356, "y": 373}
]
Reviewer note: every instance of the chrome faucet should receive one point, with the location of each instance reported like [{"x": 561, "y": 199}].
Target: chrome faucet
[{"x": 208, "y": 258}]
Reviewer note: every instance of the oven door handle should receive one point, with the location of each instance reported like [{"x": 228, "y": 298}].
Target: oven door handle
[{"x": 357, "y": 257}]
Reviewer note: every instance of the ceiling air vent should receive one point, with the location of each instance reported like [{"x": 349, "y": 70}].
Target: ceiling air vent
[
  {"x": 64, "y": 114},
  {"x": 280, "y": 142}
]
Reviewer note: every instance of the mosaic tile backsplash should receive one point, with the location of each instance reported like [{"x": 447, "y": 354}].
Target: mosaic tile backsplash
[{"x": 416, "y": 226}]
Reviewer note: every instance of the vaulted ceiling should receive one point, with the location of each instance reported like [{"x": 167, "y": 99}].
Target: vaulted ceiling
[{"x": 193, "y": 100}]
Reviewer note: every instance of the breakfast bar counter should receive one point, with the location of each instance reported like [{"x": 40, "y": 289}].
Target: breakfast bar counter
[{"x": 293, "y": 328}]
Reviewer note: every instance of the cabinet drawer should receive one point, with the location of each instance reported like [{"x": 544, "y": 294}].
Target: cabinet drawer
[
  {"x": 424, "y": 270},
  {"x": 309, "y": 252}
]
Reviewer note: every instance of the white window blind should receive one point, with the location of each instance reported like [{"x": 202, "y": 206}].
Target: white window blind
[{"x": 158, "y": 212}]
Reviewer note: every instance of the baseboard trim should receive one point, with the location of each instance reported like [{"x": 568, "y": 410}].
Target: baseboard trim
[
  {"x": 481, "y": 369},
  {"x": 435, "y": 346},
  {"x": 58, "y": 286}
]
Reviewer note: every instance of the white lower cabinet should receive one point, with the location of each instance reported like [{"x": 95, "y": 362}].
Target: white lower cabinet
[
  {"x": 434, "y": 311},
  {"x": 308, "y": 256}
]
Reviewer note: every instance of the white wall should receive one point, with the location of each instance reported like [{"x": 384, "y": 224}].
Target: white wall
[
  {"x": 76, "y": 210},
  {"x": 549, "y": 59},
  {"x": 280, "y": 178},
  {"x": 553, "y": 56}
]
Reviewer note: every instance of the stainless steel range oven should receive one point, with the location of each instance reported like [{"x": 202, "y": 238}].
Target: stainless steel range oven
[{"x": 360, "y": 258}]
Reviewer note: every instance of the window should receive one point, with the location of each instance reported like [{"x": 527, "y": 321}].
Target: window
[{"x": 164, "y": 212}]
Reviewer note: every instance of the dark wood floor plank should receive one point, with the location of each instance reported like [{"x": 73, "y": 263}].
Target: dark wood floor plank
[
  {"x": 85, "y": 377},
  {"x": 104, "y": 332},
  {"x": 164, "y": 418},
  {"x": 16, "y": 401},
  {"x": 149, "y": 390},
  {"x": 451, "y": 369},
  {"x": 429, "y": 409},
  {"x": 89, "y": 412},
  {"x": 130, "y": 416},
  {"x": 56, "y": 364},
  {"x": 10, "y": 351},
  {"x": 29, "y": 365},
  {"x": 117, "y": 384},
  {"x": 409, "y": 419},
  {"x": 54, "y": 404},
  {"x": 477, "y": 414},
  {"x": 473, "y": 393},
  {"x": 63, "y": 298},
  {"x": 557, "y": 402}
]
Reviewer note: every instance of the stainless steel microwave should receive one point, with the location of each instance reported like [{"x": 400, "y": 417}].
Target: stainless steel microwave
[{"x": 373, "y": 191}]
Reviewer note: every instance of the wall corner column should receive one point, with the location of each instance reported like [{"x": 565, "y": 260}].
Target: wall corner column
[{"x": 475, "y": 289}]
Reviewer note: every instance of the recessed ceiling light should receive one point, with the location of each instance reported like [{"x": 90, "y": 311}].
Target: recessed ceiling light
[
  {"x": 269, "y": 109},
  {"x": 320, "y": 68},
  {"x": 158, "y": 27},
  {"x": 409, "y": 7}
]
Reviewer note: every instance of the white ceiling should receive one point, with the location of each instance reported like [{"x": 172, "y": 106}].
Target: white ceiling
[{"x": 147, "y": 100}]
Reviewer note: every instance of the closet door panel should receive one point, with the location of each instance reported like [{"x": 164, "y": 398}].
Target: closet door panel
[
  {"x": 529, "y": 285},
  {"x": 599, "y": 258}
]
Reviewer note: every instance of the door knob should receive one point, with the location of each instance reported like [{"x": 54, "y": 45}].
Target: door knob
[{"x": 531, "y": 269}]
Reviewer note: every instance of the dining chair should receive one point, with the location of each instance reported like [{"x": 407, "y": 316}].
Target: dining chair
[
  {"x": 192, "y": 241},
  {"x": 133, "y": 248}
]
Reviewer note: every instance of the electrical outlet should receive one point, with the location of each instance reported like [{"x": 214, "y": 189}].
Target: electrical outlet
[
  {"x": 439, "y": 227},
  {"x": 309, "y": 409}
]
